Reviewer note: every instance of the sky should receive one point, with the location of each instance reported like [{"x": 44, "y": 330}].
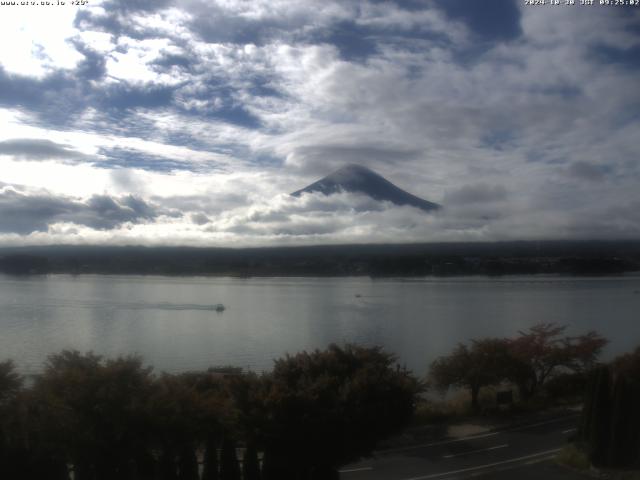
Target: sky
[{"x": 162, "y": 122}]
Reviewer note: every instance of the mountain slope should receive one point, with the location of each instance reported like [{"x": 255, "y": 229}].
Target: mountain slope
[{"x": 356, "y": 178}]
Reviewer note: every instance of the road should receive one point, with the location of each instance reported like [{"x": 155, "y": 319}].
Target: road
[{"x": 521, "y": 452}]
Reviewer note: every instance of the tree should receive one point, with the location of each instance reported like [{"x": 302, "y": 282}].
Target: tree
[
  {"x": 540, "y": 352},
  {"x": 188, "y": 463},
  {"x": 626, "y": 414},
  {"x": 115, "y": 419},
  {"x": 95, "y": 410},
  {"x": 14, "y": 457},
  {"x": 248, "y": 417},
  {"x": 10, "y": 381},
  {"x": 329, "y": 407},
  {"x": 482, "y": 364},
  {"x": 250, "y": 463},
  {"x": 629, "y": 365},
  {"x": 595, "y": 423},
  {"x": 210, "y": 467},
  {"x": 610, "y": 425},
  {"x": 10, "y": 386},
  {"x": 624, "y": 443},
  {"x": 184, "y": 412},
  {"x": 63, "y": 398},
  {"x": 229, "y": 466}
]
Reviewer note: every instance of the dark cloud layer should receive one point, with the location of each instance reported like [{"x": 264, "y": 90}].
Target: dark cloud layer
[
  {"x": 588, "y": 171},
  {"x": 476, "y": 193},
  {"x": 26, "y": 213},
  {"x": 38, "y": 149},
  {"x": 321, "y": 159}
]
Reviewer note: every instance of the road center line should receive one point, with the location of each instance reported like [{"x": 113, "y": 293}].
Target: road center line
[
  {"x": 539, "y": 460},
  {"x": 474, "y": 437},
  {"x": 532, "y": 425},
  {"x": 488, "y": 465},
  {"x": 361, "y": 469},
  {"x": 441, "y": 442},
  {"x": 462, "y": 454}
]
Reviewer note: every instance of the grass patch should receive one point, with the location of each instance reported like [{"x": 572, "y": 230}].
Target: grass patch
[
  {"x": 629, "y": 476},
  {"x": 455, "y": 406},
  {"x": 572, "y": 456},
  {"x": 430, "y": 411}
]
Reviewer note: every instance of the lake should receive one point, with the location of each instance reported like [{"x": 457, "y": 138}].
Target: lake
[{"x": 172, "y": 322}]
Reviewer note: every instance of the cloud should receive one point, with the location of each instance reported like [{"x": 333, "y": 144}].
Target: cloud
[
  {"x": 476, "y": 193},
  {"x": 208, "y": 112},
  {"x": 39, "y": 149},
  {"x": 24, "y": 213},
  {"x": 286, "y": 220},
  {"x": 491, "y": 20},
  {"x": 127, "y": 180},
  {"x": 321, "y": 159},
  {"x": 136, "y": 159},
  {"x": 200, "y": 218},
  {"x": 136, "y": 5},
  {"x": 93, "y": 67},
  {"x": 587, "y": 171}
]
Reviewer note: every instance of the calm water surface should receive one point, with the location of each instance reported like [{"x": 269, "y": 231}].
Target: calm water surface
[{"x": 172, "y": 323}]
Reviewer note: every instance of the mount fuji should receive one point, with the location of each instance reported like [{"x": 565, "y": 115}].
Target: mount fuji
[{"x": 359, "y": 179}]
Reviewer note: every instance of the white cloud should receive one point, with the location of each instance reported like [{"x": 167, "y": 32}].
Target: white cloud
[
  {"x": 34, "y": 40},
  {"x": 530, "y": 138},
  {"x": 131, "y": 61}
]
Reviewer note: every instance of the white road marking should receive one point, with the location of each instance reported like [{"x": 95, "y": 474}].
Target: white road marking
[
  {"x": 569, "y": 431},
  {"x": 441, "y": 442},
  {"x": 546, "y": 422},
  {"x": 473, "y": 437},
  {"x": 539, "y": 460},
  {"x": 361, "y": 469},
  {"x": 475, "y": 451},
  {"x": 509, "y": 467},
  {"x": 488, "y": 465}
]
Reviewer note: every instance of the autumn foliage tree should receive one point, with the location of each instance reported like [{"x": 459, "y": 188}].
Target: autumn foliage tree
[
  {"x": 542, "y": 350},
  {"x": 484, "y": 362},
  {"x": 528, "y": 360}
]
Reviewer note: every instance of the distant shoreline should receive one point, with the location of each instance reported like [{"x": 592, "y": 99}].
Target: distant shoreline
[
  {"x": 571, "y": 258},
  {"x": 407, "y": 278}
]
